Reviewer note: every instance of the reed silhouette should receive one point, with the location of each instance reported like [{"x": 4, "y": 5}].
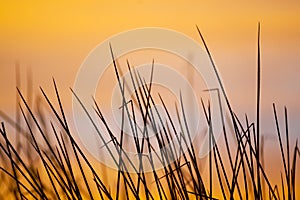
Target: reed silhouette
[{"x": 44, "y": 161}]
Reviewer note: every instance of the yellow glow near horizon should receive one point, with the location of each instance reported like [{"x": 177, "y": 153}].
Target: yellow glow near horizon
[{"x": 53, "y": 38}]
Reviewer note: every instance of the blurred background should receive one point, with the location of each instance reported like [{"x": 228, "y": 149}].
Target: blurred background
[{"x": 51, "y": 39}]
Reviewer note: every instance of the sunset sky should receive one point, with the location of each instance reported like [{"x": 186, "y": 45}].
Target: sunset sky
[{"x": 51, "y": 39}]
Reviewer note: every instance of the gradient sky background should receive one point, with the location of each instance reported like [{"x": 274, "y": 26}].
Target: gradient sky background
[{"x": 53, "y": 38}]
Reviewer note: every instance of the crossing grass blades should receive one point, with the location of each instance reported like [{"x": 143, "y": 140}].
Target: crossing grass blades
[{"x": 44, "y": 161}]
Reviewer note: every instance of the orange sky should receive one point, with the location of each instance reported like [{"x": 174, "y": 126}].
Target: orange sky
[{"x": 53, "y": 38}]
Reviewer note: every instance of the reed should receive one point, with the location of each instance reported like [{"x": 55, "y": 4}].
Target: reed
[{"x": 44, "y": 161}]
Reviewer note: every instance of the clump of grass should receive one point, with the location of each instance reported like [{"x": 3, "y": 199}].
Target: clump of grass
[{"x": 48, "y": 163}]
